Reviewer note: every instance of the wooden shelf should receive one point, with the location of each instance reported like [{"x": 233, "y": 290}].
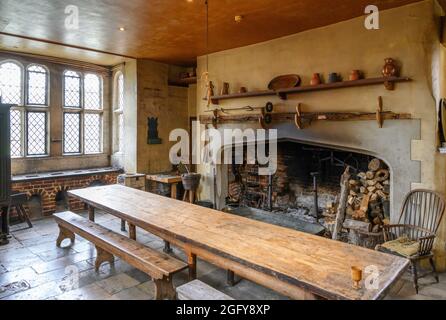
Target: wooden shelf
[
  {"x": 262, "y": 93},
  {"x": 185, "y": 82},
  {"x": 283, "y": 93}
]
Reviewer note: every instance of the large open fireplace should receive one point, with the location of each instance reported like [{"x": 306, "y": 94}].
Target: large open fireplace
[
  {"x": 306, "y": 186},
  {"x": 303, "y": 171},
  {"x": 315, "y": 159}
]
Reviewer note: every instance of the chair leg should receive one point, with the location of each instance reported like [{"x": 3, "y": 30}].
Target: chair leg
[
  {"x": 434, "y": 270},
  {"x": 415, "y": 275},
  {"x": 25, "y": 215},
  {"x": 6, "y": 220},
  {"x": 19, "y": 213}
]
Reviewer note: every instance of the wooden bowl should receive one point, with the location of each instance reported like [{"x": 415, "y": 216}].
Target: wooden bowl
[{"x": 284, "y": 82}]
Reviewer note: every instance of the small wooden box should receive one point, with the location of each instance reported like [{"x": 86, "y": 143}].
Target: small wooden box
[{"x": 136, "y": 181}]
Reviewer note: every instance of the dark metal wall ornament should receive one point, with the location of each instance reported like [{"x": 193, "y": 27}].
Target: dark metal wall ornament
[{"x": 152, "y": 131}]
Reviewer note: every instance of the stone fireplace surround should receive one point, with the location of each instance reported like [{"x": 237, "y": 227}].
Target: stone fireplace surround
[{"x": 392, "y": 144}]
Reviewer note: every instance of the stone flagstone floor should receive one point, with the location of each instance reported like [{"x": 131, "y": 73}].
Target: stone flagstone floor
[{"x": 33, "y": 268}]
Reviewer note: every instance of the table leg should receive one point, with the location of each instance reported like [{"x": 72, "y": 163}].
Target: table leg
[
  {"x": 123, "y": 225},
  {"x": 167, "y": 248},
  {"x": 192, "y": 262},
  {"x": 91, "y": 213},
  {"x": 132, "y": 231},
  {"x": 173, "y": 190},
  {"x": 230, "y": 278}
]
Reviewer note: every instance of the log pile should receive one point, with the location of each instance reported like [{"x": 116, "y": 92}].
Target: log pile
[{"x": 368, "y": 193}]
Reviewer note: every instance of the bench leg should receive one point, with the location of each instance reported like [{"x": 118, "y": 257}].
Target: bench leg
[
  {"x": 132, "y": 231},
  {"x": 64, "y": 233},
  {"x": 164, "y": 289},
  {"x": 123, "y": 225},
  {"x": 103, "y": 256}
]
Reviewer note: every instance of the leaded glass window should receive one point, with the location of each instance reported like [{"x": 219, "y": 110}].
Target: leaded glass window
[
  {"x": 121, "y": 132},
  {"x": 92, "y": 85},
  {"x": 83, "y": 128},
  {"x": 37, "y": 85},
  {"x": 36, "y": 133},
  {"x": 92, "y": 132},
  {"x": 16, "y": 133},
  {"x": 11, "y": 83},
  {"x": 120, "y": 92},
  {"x": 119, "y": 112},
  {"x": 72, "y": 89},
  {"x": 72, "y": 132}
]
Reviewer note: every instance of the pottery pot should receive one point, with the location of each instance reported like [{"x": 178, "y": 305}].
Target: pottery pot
[
  {"x": 333, "y": 77},
  {"x": 191, "y": 181},
  {"x": 355, "y": 75},
  {"x": 315, "y": 80},
  {"x": 390, "y": 69},
  {"x": 225, "y": 89}
]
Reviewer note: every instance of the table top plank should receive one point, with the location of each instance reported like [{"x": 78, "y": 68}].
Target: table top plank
[
  {"x": 164, "y": 178},
  {"x": 320, "y": 265}
]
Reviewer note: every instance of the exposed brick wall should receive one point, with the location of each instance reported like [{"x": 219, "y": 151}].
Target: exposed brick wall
[
  {"x": 48, "y": 188},
  {"x": 292, "y": 182}
]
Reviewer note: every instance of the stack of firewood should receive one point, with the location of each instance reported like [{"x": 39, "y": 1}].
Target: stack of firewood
[{"x": 367, "y": 194}]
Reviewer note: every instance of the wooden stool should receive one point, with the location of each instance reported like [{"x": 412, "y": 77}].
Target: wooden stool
[{"x": 17, "y": 200}]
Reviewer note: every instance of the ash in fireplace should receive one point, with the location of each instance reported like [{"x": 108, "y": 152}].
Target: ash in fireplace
[{"x": 300, "y": 213}]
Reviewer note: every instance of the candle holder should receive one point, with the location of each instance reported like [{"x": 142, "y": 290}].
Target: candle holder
[{"x": 356, "y": 277}]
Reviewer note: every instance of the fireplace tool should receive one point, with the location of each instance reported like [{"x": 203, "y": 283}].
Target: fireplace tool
[
  {"x": 270, "y": 192},
  {"x": 316, "y": 207}
]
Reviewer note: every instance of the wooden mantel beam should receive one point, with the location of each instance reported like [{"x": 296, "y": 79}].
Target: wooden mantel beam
[{"x": 306, "y": 116}]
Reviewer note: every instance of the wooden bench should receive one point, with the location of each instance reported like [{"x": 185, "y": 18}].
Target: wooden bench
[
  {"x": 160, "y": 266},
  {"x": 197, "y": 290}
]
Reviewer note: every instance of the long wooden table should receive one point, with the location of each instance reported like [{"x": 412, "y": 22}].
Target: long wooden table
[{"x": 296, "y": 264}]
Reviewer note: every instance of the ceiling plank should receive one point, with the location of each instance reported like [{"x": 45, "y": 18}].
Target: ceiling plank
[{"x": 173, "y": 31}]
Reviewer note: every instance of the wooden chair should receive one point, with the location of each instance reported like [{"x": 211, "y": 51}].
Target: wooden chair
[
  {"x": 18, "y": 201},
  {"x": 420, "y": 218}
]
